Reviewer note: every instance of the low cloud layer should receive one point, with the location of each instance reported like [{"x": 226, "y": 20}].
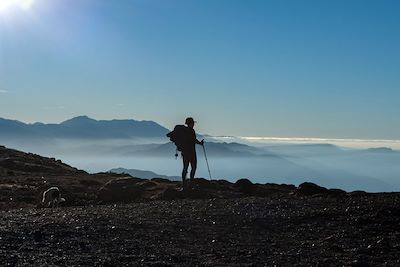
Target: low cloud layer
[{"x": 353, "y": 143}]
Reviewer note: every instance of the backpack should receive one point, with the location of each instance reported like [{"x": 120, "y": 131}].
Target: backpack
[{"x": 178, "y": 136}]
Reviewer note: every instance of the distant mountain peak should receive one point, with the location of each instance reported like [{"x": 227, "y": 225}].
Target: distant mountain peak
[
  {"x": 82, "y": 117},
  {"x": 79, "y": 119},
  {"x": 83, "y": 127}
]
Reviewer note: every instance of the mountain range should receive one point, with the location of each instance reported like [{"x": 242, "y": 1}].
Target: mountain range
[
  {"x": 85, "y": 135},
  {"x": 82, "y": 127},
  {"x": 100, "y": 145}
]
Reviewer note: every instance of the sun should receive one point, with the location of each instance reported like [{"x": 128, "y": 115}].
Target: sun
[{"x": 23, "y": 4}]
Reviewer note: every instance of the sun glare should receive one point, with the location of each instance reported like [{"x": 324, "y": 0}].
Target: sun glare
[{"x": 23, "y": 4}]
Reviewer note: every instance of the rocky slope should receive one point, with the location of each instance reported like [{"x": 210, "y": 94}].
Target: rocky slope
[
  {"x": 24, "y": 177},
  {"x": 117, "y": 220}
]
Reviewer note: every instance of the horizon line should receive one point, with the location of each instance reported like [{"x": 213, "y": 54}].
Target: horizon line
[
  {"x": 246, "y": 138},
  {"x": 309, "y": 139}
]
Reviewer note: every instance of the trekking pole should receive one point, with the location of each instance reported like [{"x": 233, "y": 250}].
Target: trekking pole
[{"x": 205, "y": 155}]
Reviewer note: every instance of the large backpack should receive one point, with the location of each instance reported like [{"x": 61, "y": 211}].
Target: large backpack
[{"x": 178, "y": 136}]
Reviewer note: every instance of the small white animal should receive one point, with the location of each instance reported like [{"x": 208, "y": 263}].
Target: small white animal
[{"x": 52, "y": 197}]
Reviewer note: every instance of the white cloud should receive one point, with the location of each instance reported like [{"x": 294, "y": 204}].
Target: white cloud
[
  {"x": 317, "y": 140},
  {"x": 3, "y": 91},
  {"x": 353, "y": 143}
]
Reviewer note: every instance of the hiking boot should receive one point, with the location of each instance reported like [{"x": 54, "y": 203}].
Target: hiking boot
[{"x": 185, "y": 185}]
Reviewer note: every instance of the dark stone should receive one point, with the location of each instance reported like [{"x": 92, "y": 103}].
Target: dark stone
[
  {"x": 203, "y": 183},
  {"x": 224, "y": 183},
  {"x": 198, "y": 193},
  {"x": 358, "y": 193},
  {"x": 148, "y": 184},
  {"x": 245, "y": 186},
  {"x": 161, "y": 180},
  {"x": 277, "y": 188},
  {"x": 336, "y": 192},
  {"x": 171, "y": 193},
  {"x": 89, "y": 182},
  {"x": 310, "y": 189},
  {"x": 123, "y": 190}
]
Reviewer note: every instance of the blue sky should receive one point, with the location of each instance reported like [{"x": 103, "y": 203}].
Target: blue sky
[{"x": 307, "y": 68}]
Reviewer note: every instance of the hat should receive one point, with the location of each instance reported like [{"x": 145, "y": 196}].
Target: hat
[{"x": 189, "y": 121}]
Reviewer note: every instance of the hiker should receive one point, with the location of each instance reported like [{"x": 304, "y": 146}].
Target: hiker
[{"x": 186, "y": 140}]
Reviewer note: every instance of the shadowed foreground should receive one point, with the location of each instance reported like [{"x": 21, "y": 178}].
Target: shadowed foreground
[{"x": 357, "y": 230}]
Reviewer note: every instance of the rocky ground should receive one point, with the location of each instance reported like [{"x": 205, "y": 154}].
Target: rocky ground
[
  {"x": 117, "y": 220},
  {"x": 359, "y": 230}
]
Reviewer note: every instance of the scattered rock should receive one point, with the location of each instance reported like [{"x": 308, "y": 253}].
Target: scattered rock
[
  {"x": 358, "y": 193},
  {"x": 172, "y": 193},
  {"x": 203, "y": 184},
  {"x": 244, "y": 186},
  {"x": 182, "y": 231},
  {"x": 161, "y": 180},
  {"x": 310, "y": 189},
  {"x": 336, "y": 192},
  {"x": 123, "y": 190}
]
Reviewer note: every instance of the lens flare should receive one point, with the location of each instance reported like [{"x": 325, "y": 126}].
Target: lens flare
[
  {"x": 26, "y": 4},
  {"x": 23, "y": 4}
]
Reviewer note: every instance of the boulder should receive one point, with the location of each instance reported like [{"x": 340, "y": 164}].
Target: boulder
[
  {"x": 336, "y": 192},
  {"x": 245, "y": 186},
  {"x": 172, "y": 193},
  {"x": 203, "y": 184},
  {"x": 223, "y": 183},
  {"x": 123, "y": 190},
  {"x": 162, "y": 180},
  {"x": 199, "y": 193},
  {"x": 281, "y": 187},
  {"x": 358, "y": 193},
  {"x": 310, "y": 189},
  {"x": 191, "y": 193}
]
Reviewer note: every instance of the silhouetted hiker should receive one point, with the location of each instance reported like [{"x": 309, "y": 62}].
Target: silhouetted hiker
[{"x": 185, "y": 139}]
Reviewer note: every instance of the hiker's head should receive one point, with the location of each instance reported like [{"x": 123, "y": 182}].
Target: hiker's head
[{"x": 190, "y": 122}]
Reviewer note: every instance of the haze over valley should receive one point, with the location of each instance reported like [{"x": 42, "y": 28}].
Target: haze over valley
[{"x": 102, "y": 145}]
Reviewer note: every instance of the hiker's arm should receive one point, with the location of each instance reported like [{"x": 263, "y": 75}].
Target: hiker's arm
[{"x": 197, "y": 140}]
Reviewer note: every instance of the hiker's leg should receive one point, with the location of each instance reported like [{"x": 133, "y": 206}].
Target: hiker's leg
[
  {"x": 185, "y": 167},
  {"x": 193, "y": 164}
]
